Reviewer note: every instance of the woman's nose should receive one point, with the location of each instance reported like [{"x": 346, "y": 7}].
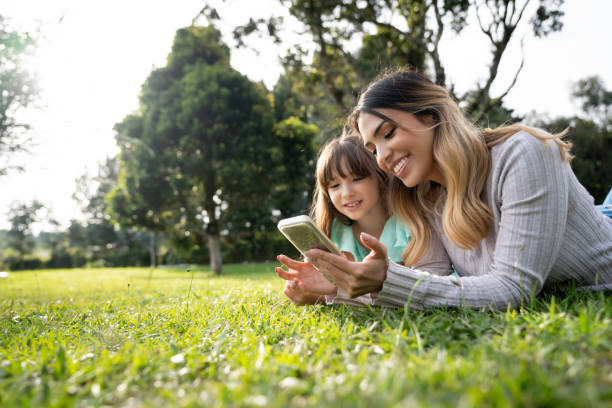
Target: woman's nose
[{"x": 382, "y": 154}]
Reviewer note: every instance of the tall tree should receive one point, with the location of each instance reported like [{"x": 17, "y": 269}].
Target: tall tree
[
  {"x": 18, "y": 89},
  {"x": 197, "y": 157},
  {"x": 397, "y": 33}
]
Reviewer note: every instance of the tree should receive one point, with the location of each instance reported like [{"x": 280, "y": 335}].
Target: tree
[
  {"x": 18, "y": 89},
  {"x": 142, "y": 198},
  {"x": 398, "y": 33},
  {"x": 591, "y": 136},
  {"x": 22, "y": 216},
  {"x": 294, "y": 158},
  {"x": 96, "y": 234},
  {"x": 596, "y": 99},
  {"x": 196, "y": 160},
  {"x": 592, "y": 150}
]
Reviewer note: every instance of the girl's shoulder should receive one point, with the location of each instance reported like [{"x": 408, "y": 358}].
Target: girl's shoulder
[
  {"x": 342, "y": 236},
  {"x": 395, "y": 236}
]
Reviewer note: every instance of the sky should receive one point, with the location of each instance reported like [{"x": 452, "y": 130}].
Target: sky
[{"x": 93, "y": 57}]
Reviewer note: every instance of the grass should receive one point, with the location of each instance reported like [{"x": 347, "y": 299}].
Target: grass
[{"x": 129, "y": 337}]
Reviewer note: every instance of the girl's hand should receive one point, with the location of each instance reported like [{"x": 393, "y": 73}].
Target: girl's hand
[
  {"x": 305, "y": 277},
  {"x": 299, "y": 297},
  {"x": 354, "y": 278}
]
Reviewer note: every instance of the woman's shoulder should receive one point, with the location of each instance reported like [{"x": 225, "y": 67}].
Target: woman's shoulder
[
  {"x": 525, "y": 163},
  {"x": 525, "y": 146},
  {"x": 522, "y": 138}
]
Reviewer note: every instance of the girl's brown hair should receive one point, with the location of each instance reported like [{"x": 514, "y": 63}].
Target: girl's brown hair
[
  {"x": 336, "y": 158},
  {"x": 461, "y": 151}
]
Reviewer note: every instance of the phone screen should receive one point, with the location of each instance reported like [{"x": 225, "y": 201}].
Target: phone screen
[
  {"x": 304, "y": 234},
  {"x": 305, "y": 238}
]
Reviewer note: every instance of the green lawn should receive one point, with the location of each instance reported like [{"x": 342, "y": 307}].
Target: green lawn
[{"x": 129, "y": 337}]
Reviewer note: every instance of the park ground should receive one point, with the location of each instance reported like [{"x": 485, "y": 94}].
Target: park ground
[{"x": 184, "y": 337}]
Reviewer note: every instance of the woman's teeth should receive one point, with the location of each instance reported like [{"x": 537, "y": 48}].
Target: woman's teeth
[{"x": 399, "y": 165}]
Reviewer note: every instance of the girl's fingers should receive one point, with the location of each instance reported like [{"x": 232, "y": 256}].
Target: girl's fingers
[
  {"x": 297, "y": 297},
  {"x": 348, "y": 255},
  {"x": 284, "y": 274},
  {"x": 290, "y": 263}
]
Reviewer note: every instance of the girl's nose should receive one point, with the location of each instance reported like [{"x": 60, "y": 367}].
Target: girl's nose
[{"x": 347, "y": 190}]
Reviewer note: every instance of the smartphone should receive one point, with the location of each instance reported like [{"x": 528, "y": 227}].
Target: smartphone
[{"x": 304, "y": 234}]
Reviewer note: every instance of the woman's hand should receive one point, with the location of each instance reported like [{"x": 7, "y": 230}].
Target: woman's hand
[
  {"x": 305, "y": 276},
  {"x": 354, "y": 278}
]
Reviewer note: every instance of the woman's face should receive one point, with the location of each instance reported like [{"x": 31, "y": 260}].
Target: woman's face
[{"x": 403, "y": 145}]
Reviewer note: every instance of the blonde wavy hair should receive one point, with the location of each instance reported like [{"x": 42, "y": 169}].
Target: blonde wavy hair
[
  {"x": 336, "y": 157},
  {"x": 461, "y": 151}
]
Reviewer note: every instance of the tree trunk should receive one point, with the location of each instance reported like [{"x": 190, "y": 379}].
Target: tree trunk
[
  {"x": 153, "y": 250},
  {"x": 214, "y": 247}
]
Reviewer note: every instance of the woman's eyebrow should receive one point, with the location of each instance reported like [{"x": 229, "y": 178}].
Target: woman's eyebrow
[
  {"x": 384, "y": 118},
  {"x": 382, "y": 122}
]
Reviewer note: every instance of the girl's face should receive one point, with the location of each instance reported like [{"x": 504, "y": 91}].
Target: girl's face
[
  {"x": 403, "y": 145},
  {"x": 353, "y": 196}
]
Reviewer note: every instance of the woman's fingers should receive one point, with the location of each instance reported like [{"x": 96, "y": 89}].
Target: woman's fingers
[
  {"x": 354, "y": 278},
  {"x": 317, "y": 256},
  {"x": 373, "y": 244},
  {"x": 379, "y": 251},
  {"x": 335, "y": 267}
]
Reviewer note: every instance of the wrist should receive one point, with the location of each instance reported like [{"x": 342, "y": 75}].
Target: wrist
[{"x": 383, "y": 274}]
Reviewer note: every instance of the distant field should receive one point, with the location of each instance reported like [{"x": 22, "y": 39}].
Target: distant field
[{"x": 171, "y": 337}]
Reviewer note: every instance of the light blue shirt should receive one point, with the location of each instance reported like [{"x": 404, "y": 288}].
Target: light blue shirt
[{"x": 395, "y": 237}]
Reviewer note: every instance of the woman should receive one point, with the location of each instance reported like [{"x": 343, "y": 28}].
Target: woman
[{"x": 501, "y": 206}]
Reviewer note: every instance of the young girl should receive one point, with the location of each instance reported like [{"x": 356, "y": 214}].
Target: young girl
[
  {"x": 350, "y": 198},
  {"x": 502, "y": 205}
]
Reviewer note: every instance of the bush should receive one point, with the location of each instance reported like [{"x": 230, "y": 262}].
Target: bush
[
  {"x": 60, "y": 258},
  {"x": 28, "y": 262},
  {"x": 264, "y": 246}
]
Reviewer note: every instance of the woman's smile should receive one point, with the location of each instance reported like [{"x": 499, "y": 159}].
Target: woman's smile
[{"x": 400, "y": 165}]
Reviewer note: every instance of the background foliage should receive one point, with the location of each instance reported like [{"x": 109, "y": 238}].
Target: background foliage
[{"x": 212, "y": 160}]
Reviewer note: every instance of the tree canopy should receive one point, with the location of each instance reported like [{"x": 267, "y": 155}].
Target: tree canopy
[
  {"x": 398, "y": 33},
  {"x": 18, "y": 89},
  {"x": 199, "y": 160}
]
